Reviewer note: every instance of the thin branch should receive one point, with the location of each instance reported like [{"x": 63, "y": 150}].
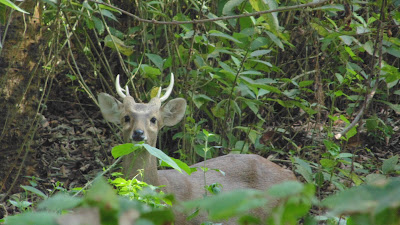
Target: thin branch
[
  {"x": 369, "y": 97},
  {"x": 174, "y": 22}
]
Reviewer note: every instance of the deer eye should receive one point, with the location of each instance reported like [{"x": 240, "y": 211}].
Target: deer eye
[
  {"x": 153, "y": 120},
  {"x": 127, "y": 119}
]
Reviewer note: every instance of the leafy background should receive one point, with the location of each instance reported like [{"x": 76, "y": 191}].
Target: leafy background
[{"x": 280, "y": 85}]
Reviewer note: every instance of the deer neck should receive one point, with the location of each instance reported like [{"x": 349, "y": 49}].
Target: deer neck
[{"x": 143, "y": 161}]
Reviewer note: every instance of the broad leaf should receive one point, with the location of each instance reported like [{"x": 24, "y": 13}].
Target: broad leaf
[
  {"x": 161, "y": 155},
  {"x": 181, "y": 165},
  {"x": 108, "y": 14},
  {"x": 201, "y": 99},
  {"x": 259, "y": 53},
  {"x": 124, "y": 149},
  {"x": 42, "y": 218},
  {"x": 12, "y": 5},
  {"x": 230, "y": 6},
  {"x": 390, "y": 164},
  {"x": 229, "y": 204},
  {"x": 303, "y": 168},
  {"x": 216, "y": 33},
  {"x": 60, "y": 201},
  {"x": 157, "y": 60},
  {"x": 259, "y": 42},
  {"x": 35, "y": 191},
  {"x": 271, "y": 18},
  {"x": 218, "y": 22},
  {"x": 275, "y": 39},
  {"x": 286, "y": 189},
  {"x": 369, "y": 198},
  {"x": 117, "y": 44}
]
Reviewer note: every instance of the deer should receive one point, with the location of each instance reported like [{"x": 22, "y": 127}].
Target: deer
[{"x": 143, "y": 121}]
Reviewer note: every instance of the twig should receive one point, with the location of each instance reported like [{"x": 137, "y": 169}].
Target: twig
[{"x": 174, "y": 22}]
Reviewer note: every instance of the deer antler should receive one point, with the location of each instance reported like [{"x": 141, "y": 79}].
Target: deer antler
[
  {"x": 120, "y": 90},
  {"x": 168, "y": 90}
]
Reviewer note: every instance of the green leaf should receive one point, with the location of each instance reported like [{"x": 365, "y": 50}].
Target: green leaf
[
  {"x": 368, "y": 198},
  {"x": 35, "y": 191},
  {"x": 270, "y": 18},
  {"x": 181, "y": 17},
  {"x": 218, "y": 112},
  {"x": 330, "y": 7},
  {"x": 118, "y": 44},
  {"x": 389, "y": 165},
  {"x": 275, "y": 39},
  {"x": 12, "y": 5},
  {"x": 218, "y": 22},
  {"x": 354, "y": 177},
  {"x": 320, "y": 29},
  {"x": 60, "y": 201},
  {"x": 201, "y": 99},
  {"x": 155, "y": 217},
  {"x": 394, "y": 51},
  {"x": 306, "y": 83},
  {"x": 217, "y": 33},
  {"x": 261, "y": 61},
  {"x": 351, "y": 132},
  {"x": 226, "y": 67},
  {"x": 372, "y": 123},
  {"x": 84, "y": 4},
  {"x": 328, "y": 163},
  {"x": 348, "y": 40},
  {"x": 258, "y": 42},
  {"x": 181, "y": 165},
  {"x": 304, "y": 107},
  {"x": 98, "y": 24},
  {"x": 369, "y": 47},
  {"x": 108, "y": 14},
  {"x": 102, "y": 196},
  {"x": 395, "y": 107},
  {"x": 374, "y": 177},
  {"x": 319, "y": 179},
  {"x": 157, "y": 60},
  {"x": 332, "y": 148},
  {"x": 228, "y": 204},
  {"x": 259, "y": 53},
  {"x": 303, "y": 168},
  {"x": 42, "y": 218},
  {"x": 339, "y": 77},
  {"x": 286, "y": 189},
  {"x": 253, "y": 105},
  {"x": 344, "y": 155},
  {"x": 124, "y": 149},
  {"x": 20, "y": 204},
  {"x": 268, "y": 88},
  {"x": 199, "y": 149},
  {"x": 162, "y": 156},
  {"x": 230, "y": 6},
  {"x": 150, "y": 71},
  {"x": 236, "y": 107}
]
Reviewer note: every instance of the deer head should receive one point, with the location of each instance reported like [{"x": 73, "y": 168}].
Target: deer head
[{"x": 142, "y": 121}]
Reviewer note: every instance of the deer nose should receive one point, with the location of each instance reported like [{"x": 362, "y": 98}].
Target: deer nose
[{"x": 138, "y": 135}]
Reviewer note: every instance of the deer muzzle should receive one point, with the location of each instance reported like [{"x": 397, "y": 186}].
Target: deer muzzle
[{"x": 138, "y": 135}]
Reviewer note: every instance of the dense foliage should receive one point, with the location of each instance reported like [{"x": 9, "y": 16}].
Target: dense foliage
[{"x": 316, "y": 86}]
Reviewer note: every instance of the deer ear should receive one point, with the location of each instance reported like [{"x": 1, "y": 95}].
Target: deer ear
[
  {"x": 173, "y": 111},
  {"x": 110, "y": 107}
]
